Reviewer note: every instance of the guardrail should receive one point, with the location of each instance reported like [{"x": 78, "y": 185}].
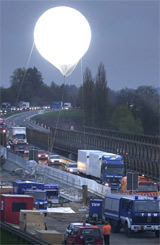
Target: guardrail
[
  {"x": 73, "y": 180},
  {"x": 23, "y": 235}
]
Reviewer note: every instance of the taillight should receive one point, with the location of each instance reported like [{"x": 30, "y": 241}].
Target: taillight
[{"x": 78, "y": 240}]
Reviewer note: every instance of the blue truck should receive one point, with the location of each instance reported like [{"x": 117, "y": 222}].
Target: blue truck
[
  {"x": 106, "y": 167},
  {"x": 53, "y": 194},
  {"x": 133, "y": 213},
  {"x": 20, "y": 186},
  {"x": 40, "y": 198},
  {"x": 57, "y": 105},
  {"x": 44, "y": 195},
  {"x": 95, "y": 212}
]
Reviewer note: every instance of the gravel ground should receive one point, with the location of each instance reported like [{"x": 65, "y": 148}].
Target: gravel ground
[{"x": 57, "y": 222}]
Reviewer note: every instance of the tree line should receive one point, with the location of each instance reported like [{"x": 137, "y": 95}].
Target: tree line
[{"x": 127, "y": 110}]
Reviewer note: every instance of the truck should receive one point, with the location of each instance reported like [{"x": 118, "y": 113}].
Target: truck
[
  {"x": 17, "y": 139},
  {"x": 17, "y": 133},
  {"x": 53, "y": 194},
  {"x": 133, "y": 213},
  {"x": 67, "y": 106},
  {"x": 57, "y": 105},
  {"x": 20, "y": 186},
  {"x": 23, "y": 105},
  {"x": 105, "y": 167},
  {"x": 145, "y": 186},
  {"x": 95, "y": 212},
  {"x": 44, "y": 194},
  {"x": 40, "y": 198}
]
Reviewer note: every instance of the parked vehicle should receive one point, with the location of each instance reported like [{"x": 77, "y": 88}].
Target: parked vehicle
[
  {"x": 20, "y": 186},
  {"x": 108, "y": 168},
  {"x": 53, "y": 194},
  {"x": 40, "y": 198},
  {"x": 133, "y": 213},
  {"x": 95, "y": 211},
  {"x": 146, "y": 186},
  {"x": 71, "y": 167},
  {"x": 44, "y": 194},
  {"x": 83, "y": 233},
  {"x": 54, "y": 159}
]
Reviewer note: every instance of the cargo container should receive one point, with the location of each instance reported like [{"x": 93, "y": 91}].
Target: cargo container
[
  {"x": 83, "y": 161},
  {"x": 10, "y": 206}
]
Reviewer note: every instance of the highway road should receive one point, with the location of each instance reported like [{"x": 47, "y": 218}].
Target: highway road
[
  {"x": 23, "y": 119},
  {"x": 59, "y": 224}
]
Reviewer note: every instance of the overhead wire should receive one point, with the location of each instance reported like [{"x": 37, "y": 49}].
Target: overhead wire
[
  {"x": 82, "y": 82},
  {"x": 58, "y": 118}
]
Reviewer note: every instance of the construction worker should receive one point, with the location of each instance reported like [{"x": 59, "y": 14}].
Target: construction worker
[{"x": 106, "y": 230}]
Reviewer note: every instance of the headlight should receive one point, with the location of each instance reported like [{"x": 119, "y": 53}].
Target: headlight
[
  {"x": 106, "y": 184},
  {"x": 70, "y": 170}
]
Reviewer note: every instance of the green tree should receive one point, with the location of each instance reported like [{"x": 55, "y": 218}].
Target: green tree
[
  {"x": 27, "y": 85},
  {"x": 124, "y": 121},
  {"x": 146, "y": 108},
  {"x": 101, "y": 98},
  {"x": 88, "y": 102},
  {"x": 144, "y": 104}
]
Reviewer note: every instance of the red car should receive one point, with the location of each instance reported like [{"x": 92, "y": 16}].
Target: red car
[
  {"x": 79, "y": 233},
  {"x": 42, "y": 155}
]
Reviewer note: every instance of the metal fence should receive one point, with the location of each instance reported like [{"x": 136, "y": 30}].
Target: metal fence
[{"x": 66, "y": 179}]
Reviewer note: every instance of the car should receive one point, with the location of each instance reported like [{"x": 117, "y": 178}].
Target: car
[
  {"x": 42, "y": 155},
  {"x": 54, "y": 159},
  {"x": 71, "y": 167},
  {"x": 83, "y": 233}
]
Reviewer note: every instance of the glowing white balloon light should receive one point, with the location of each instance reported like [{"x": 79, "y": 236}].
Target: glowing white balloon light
[{"x": 62, "y": 36}]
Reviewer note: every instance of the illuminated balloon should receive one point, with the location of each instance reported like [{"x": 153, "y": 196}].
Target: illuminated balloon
[{"x": 62, "y": 36}]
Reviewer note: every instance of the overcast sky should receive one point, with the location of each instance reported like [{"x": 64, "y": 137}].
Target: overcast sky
[{"x": 124, "y": 38}]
